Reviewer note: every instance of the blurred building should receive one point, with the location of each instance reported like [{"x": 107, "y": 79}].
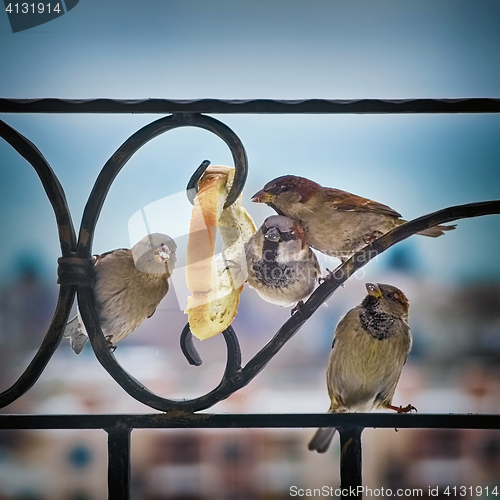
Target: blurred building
[{"x": 454, "y": 368}]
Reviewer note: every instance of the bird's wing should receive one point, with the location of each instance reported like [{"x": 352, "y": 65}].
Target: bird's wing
[
  {"x": 116, "y": 252},
  {"x": 75, "y": 332},
  {"x": 337, "y": 358},
  {"x": 384, "y": 398},
  {"x": 72, "y": 328},
  {"x": 348, "y": 202}
]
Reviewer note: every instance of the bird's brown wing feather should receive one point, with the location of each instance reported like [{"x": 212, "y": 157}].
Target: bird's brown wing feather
[
  {"x": 110, "y": 252},
  {"x": 348, "y": 202}
]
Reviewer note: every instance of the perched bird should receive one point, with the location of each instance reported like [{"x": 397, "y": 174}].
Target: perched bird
[
  {"x": 281, "y": 267},
  {"x": 370, "y": 347},
  {"x": 337, "y": 223},
  {"x": 128, "y": 286}
]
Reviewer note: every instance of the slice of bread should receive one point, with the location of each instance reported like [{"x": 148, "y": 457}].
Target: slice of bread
[{"x": 216, "y": 280}]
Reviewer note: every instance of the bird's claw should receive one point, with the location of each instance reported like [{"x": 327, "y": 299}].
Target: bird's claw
[
  {"x": 400, "y": 409},
  {"x": 406, "y": 409},
  {"x": 329, "y": 274},
  {"x": 297, "y": 307},
  {"x": 369, "y": 238},
  {"x": 112, "y": 347},
  {"x": 322, "y": 279}
]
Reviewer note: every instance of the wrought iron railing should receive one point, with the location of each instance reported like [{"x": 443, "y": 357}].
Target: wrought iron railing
[{"x": 75, "y": 278}]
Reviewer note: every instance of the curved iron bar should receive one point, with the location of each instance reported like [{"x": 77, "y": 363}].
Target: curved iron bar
[
  {"x": 190, "y": 352},
  {"x": 236, "y": 188},
  {"x": 67, "y": 239},
  {"x": 89, "y": 220},
  {"x": 135, "y": 388},
  {"x": 192, "y": 185},
  {"x": 50, "y": 182},
  {"x": 356, "y": 262},
  {"x": 188, "y": 348},
  {"x": 235, "y": 377},
  {"x": 134, "y": 143}
]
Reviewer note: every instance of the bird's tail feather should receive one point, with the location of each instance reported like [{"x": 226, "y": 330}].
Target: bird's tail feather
[
  {"x": 75, "y": 332},
  {"x": 436, "y": 231},
  {"x": 322, "y": 439}
]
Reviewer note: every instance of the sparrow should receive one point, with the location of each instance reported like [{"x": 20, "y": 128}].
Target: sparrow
[
  {"x": 281, "y": 267},
  {"x": 337, "y": 223},
  {"x": 128, "y": 285},
  {"x": 370, "y": 347}
]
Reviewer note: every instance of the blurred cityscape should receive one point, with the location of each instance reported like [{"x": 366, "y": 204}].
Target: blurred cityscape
[
  {"x": 415, "y": 163},
  {"x": 453, "y": 368}
]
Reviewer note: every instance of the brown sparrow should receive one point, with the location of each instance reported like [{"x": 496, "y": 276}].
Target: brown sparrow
[
  {"x": 370, "y": 347},
  {"x": 128, "y": 286},
  {"x": 336, "y": 222},
  {"x": 282, "y": 268}
]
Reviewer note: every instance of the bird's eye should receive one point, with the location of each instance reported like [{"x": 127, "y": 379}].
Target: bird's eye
[{"x": 275, "y": 190}]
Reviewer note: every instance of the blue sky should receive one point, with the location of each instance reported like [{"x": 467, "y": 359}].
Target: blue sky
[{"x": 280, "y": 49}]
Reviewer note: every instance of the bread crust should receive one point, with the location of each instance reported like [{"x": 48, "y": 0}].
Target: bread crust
[{"x": 216, "y": 281}]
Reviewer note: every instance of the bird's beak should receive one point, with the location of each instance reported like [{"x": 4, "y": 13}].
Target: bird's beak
[
  {"x": 163, "y": 255},
  {"x": 373, "y": 290},
  {"x": 262, "y": 197}
]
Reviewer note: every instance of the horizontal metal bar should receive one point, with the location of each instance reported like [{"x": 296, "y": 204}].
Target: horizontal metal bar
[
  {"x": 178, "y": 419},
  {"x": 162, "y": 106}
]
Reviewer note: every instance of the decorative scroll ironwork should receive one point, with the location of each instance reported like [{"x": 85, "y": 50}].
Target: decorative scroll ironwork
[
  {"x": 67, "y": 240},
  {"x": 75, "y": 277},
  {"x": 75, "y": 269},
  {"x": 89, "y": 220}
]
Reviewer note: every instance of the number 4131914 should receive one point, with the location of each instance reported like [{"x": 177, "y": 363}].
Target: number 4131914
[
  {"x": 478, "y": 491},
  {"x": 25, "y": 8}
]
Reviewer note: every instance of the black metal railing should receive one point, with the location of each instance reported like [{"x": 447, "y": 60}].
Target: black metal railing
[{"x": 75, "y": 278}]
